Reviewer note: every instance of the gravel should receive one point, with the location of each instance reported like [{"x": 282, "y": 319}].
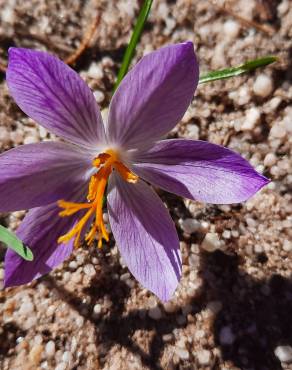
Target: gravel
[
  {"x": 284, "y": 353},
  {"x": 231, "y": 309}
]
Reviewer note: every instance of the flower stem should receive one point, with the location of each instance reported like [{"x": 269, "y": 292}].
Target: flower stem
[
  {"x": 139, "y": 26},
  {"x": 235, "y": 71},
  {"x": 12, "y": 242}
]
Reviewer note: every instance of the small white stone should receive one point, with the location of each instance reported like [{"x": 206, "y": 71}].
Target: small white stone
[
  {"x": 182, "y": 353},
  {"x": 211, "y": 242},
  {"x": 226, "y": 336},
  {"x": 231, "y": 29},
  {"x": 89, "y": 270},
  {"x": 50, "y": 349},
  {"x": 67, "y": 357},
  {"x": 155, "y": 313},
  {"x": 30, "y": 322},
  {"x": 278, "y": 131},
  {"x": 99, "y": 96},
  {"x": 287, "y": 245},
  {"x": 43, "y": 132},
  {"x": 189, "y": 225},
  {"x": 226, "y": 234},
  {"x": 258, "y": 249},
  {"x": 284, "y": 353},
  {"x": 243, "y": 95},
  {"x": 7, "y": 14},
  {"x": 97, "y": 309},
  {"x": 26, "y": 308},
  {"x": 30, "y": 140},
  {"x": 270, "y": 160},
  {"x": 79, "y": 321},
  {"x": 263, "y": 86},
  {"x": 73, "y": 265},
  {"x": 251, "y": 119},
  {"x": 204, "y": 357},
  {"x": 61, "y": 366},
  {"x": 193, "y": 131},
  {"x": 95, "y": 71}
]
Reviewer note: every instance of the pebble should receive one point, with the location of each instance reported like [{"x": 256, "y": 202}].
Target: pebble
[
  {"x": 155, "y": 313},
  {"x": 67, "y": 357},
  {"x": 211, "y": 242},
  {"x": 204, "y": 357},
  {"x": 193, "y": 131},
  {"x": 4, "y": 135},
  {"x": 284, "y": 353},
  {"x": 263, "y": 86},
  {"x": 76, "y": 277},
  {"x": 189, "y": 225},
  {"x": 7, "y": 14},
  {"x": 287, "y": 245},
  {"x": 35, "y": 354},
  {"x": 26, "y": 308},
  {"x": 61, "y": 366},
  {"x": 79, "y": 321},
  {"x": 231, "y": 29},
  {"x": 169, "y": 307},
  {"x": 30, "y": 140},
  {"x": 278, "y": 131},
  {"x": 30, "y": 322},
  {"x": 226, "y": 234},
  {"x": 99, "y": 96},
  {"x": 97, "y": 309},
  {"x": 50, "y": 349},
  {"x": 43, "y": 132},
  {"x": 251, "y": 119},
  {"x": 270, "y": 160},
  {"x": 89, "y": 270},
  {"x": 95, "y": 71},
  {"x": 226, "y": 336},
  {"x": 182, "y": 353},
  {"x": 73, "y": 265}
]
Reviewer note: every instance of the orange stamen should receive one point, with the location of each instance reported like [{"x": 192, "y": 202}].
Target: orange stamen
[{"x": 96, "y": 189}]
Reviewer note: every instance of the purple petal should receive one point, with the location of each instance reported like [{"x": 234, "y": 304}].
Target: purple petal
[
  {"x": 39, "y": 230},
  {"x": 145, "y": 235},
  {"x": 153, "y": 96},
  {"x": 39, "y": 174},
  {"x": 199, "y": 170},
  {"x": 55, "y": 96}
]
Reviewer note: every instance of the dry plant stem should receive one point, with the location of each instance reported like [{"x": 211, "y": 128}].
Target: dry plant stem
[
  {"x": 246, "y": 22},
  {"x": 82, "y": 47},
  {"x": 85, "y": 42}
]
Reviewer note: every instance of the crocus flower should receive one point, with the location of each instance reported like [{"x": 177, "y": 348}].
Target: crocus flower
[{"x": 63, "y": 183}]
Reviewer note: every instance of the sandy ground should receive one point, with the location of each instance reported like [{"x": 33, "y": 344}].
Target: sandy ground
[{"x": 232, "y": 309}]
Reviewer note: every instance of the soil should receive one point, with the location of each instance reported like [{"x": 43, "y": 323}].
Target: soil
[{"x": 232, "y": 309}]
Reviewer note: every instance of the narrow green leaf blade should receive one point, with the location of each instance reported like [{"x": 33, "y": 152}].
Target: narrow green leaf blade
[
  {"x": 235, "y": 71},
  {"x": 12, "y": 242},
  {"x": 139, "y": 26}
]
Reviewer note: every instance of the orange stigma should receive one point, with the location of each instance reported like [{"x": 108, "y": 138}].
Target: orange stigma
[{"x": 105, "y": 163}]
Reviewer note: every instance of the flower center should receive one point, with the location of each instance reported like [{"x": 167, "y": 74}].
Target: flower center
[{"x": 105, "y": 163}]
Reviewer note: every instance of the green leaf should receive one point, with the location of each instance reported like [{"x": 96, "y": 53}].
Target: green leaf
[
  {"x": 235, "y": 71},
  {"x": 11, "y": 240},
  {"x": 139, "y": 26}
]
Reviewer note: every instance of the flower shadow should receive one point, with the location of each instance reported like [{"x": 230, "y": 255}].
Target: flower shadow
[{"x": 255, "y": 311}]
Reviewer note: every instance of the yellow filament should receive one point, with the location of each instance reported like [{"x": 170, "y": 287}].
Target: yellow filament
[{"x": 96, "y": 189}]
